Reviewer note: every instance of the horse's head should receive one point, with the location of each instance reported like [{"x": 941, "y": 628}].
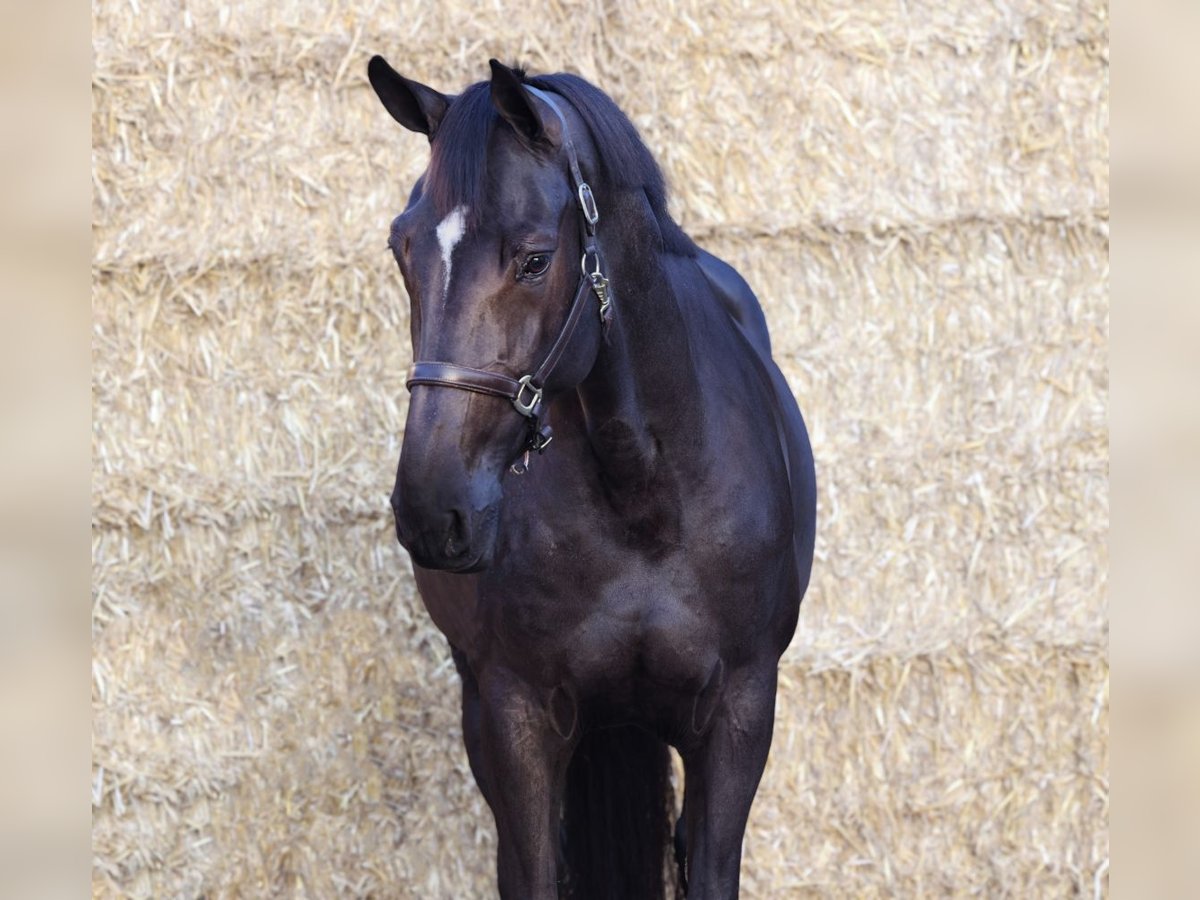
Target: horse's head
[{"x": 489, "y": 247}]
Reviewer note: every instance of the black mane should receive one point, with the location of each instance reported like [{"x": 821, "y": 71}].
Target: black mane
[{"x": 458, "y": 168}]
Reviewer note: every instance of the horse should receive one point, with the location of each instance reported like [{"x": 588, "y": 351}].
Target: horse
[{"x": 605, "y": 486}]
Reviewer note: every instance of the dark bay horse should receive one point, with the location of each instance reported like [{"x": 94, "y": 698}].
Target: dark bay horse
[{"x": 628, "y": 580}]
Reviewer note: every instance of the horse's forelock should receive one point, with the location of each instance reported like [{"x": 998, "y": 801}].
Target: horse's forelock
[{"x": 458, "y": 167}]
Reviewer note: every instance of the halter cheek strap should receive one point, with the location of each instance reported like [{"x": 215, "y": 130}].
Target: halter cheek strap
[{"x": 525, "y": 393}]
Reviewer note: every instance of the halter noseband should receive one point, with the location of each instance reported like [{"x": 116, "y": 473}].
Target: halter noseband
[{"x": 525, "y": 393}]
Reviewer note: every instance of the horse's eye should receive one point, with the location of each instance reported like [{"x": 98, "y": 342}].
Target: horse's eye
[{"x": 536, "y": 265}]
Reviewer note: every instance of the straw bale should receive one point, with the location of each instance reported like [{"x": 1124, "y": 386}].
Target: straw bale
[
  {"x": 939, "y": 137},
  {"x": 918, "y": 192}
]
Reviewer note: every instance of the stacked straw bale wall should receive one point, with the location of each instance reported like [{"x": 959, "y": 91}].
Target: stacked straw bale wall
[{"x": 917, "y": 191}]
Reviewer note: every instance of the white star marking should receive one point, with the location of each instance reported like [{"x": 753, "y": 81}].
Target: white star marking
[{"x": 449, "y": 233}]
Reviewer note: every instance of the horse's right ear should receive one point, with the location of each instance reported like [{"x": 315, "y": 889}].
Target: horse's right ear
[{"x": 413, "y": 105}]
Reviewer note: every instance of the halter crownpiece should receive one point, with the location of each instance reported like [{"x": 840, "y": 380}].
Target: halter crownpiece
[{"x": 525, "y": 393}]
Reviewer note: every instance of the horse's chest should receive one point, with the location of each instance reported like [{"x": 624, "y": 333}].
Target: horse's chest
[
  {"x": 594, "y": 614},
  {"x": 577, "y": 597},
  {"x": 639, "y": 624}
]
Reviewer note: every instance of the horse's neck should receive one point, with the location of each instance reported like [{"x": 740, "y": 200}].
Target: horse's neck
[{"x": 641, "y": 394}]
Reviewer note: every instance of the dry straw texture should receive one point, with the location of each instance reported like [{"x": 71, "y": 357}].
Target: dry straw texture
[{"x": 918, "y": 191}]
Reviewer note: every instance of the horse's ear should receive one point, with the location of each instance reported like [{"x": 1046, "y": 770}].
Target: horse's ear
[
  {"x": 413, "y": 105},
  {"x": 534, "y": 122}
]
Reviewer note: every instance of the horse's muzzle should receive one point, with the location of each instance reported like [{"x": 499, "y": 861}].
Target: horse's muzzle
[{"x": 452, "y": 540}]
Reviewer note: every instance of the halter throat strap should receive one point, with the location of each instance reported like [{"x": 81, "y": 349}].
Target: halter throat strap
[{"x": 525, "y": 393}]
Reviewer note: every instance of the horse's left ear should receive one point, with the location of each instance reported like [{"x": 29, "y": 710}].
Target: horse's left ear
[{"x": 533, "y": 121}]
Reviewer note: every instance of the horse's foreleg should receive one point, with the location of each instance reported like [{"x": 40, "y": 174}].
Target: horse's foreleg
[
  {"x": 524, "y": 762},
  {"x": 470, "y": 721},
  {"x": 722, "y": 775}
]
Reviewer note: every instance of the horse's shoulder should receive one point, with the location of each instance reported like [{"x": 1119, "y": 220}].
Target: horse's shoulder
[
  {"x": 787, "y": 422},
  {"x": 737, "y": 298}
]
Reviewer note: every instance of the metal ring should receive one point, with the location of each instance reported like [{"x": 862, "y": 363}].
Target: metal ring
[
  {"x": 526, "y": 409},
  {"x": 583, "y": 263}
]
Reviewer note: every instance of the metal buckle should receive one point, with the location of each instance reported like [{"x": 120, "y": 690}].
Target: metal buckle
[
  {"x": 587, "y": 203},
  {"x": 540, "y": 439},
  {"x": 527, "y": 409}
]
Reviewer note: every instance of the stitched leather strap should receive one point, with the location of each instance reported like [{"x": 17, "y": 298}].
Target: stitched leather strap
[
  {"x": 590, "y": 215},
  {"x": 555, "y": 354},
  {"x": 465, "y": 377}
]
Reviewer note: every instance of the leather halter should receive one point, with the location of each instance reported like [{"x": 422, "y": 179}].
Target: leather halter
[{"x": 525, "y": 393}]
